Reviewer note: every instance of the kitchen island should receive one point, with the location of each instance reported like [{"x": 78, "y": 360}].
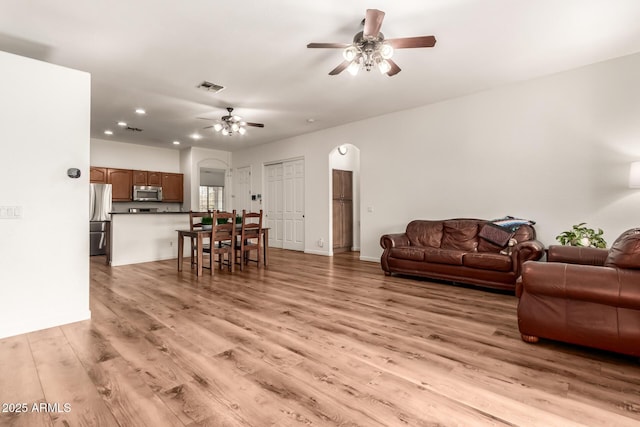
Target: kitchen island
[{"x": 146, "y": 236}]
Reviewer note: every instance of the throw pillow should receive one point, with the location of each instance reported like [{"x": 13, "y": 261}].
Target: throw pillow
[{"x": 496, "y": 234}]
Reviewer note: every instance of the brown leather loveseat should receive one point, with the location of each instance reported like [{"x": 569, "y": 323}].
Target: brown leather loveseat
[
  {"x": 584, "y": 296},
  {"x": 460, "y": 250}
]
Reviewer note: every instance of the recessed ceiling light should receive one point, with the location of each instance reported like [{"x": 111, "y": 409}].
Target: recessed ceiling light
[
  {"x": 108, "y": 132},
  {"x": 196, "y": 136},
  {"x": 176, "y": 142},
  {"x": 140, "y": 111},
  {"x": 123, "y": 124},
  {"x": 311, "y": 120}
]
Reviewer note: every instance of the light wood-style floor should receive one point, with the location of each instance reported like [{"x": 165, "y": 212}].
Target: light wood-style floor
[{"x": 310, "y": 341}]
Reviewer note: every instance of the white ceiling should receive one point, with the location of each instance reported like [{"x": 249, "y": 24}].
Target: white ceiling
[{"x": 153, "y": 54}]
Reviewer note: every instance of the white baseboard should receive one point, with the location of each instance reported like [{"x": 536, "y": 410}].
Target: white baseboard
[
  {"x": 30, "y": 324},
  {"x": 312, "y": 252},
  {"x": 369, "y": 259}
]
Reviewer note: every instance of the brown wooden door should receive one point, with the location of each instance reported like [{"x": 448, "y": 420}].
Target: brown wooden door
[
  {"x": 172, "y": 187},
  {"x": 140, "y": 178},
  {"x": 98, "y": 175},
  {"x": 121, "y": 181},
  {"x": 342, "y": 210}
]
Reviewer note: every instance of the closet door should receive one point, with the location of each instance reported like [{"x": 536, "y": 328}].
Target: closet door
[
  {"x": 243, "y": 190},
  {"x": 274, "y": 204},
  {"x": 284, "y": 201},
  {"x": 293, "y": 210}
]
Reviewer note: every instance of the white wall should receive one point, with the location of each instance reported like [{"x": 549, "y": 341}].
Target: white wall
[
  {"x": 44, "y": 256},
  {"x": 556, "y": 150},
  {"x": 114, "y": 154}
]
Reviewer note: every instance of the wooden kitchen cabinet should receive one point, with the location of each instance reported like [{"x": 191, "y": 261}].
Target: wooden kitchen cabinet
[
  {"x": 154, "y": 178},
  {"x": 147, "y": 178},
  {"x": 140, "y": 177},
  {"x": 121, "y": 181},
  {"x": 342, "y": 210},
  {"x": 342, "y": 184},
  {"x": 172, "y": 190},
  {"x": 97, "y": 175}
]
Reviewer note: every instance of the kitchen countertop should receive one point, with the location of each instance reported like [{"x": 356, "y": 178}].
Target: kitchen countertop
[{"x": 146, "y": 213}]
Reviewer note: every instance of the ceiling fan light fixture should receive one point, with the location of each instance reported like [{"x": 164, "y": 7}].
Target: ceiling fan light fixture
[
  {"x": 350, "y": 53},
  {"x": 242, "y": 131},
  {"x": 384, "y": 66},
  {"x": 354, "y": 67},
  {"x": 217, "y": 127},
  {"x": 225, "y": 132},
  {"x": 235, "y": 127},
  {"x": 386, "y": 50}
]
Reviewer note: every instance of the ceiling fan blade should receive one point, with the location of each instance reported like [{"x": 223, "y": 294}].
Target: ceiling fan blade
[
  {"x": 410, "y": 42},
  {"x": 340, "y": 68},
  {"x": 373, "y": 22},
  {"x": 207, "y": 127},
  {"x": 205, "y": 118},
  {"x": 255, "y": 125},
  {"x": 394, "y": 68},
  {"x": 328, "y": 45}
]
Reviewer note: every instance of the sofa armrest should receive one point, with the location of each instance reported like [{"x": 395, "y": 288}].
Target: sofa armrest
[
  {"x": 577, "y": 255},
  {"x": 602, "y": 285},
  {"x": 529, "y": 250},
  {"x": 394, "y": 240}
]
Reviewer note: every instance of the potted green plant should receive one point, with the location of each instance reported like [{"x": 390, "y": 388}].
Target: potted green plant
[
  {"x": 207, "y": 223},
  {"x": 238, "y": 219},
  {"x": 580, "y": 235}
]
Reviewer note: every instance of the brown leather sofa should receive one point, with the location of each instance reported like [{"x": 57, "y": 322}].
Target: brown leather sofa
[
  {"x": 454, "y": 250},
  {"x": 584, "y": 296}
]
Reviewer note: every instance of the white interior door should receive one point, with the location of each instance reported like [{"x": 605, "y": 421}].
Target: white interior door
[
  {"x": 243, "y": 190},
  {"x": 274, "y": 204},
  {"x": 293, "y": 211}
]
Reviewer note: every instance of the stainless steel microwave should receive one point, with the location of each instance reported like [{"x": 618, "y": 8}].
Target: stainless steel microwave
[{"x": 146, "y": 193}]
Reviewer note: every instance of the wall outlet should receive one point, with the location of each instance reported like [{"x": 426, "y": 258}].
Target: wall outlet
[{"x": 321, "y": 242}]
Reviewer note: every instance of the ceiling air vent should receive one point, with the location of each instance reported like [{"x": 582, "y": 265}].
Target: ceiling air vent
[
  {"x": 132, "y": 129},
  {"x": 210, "y": 87}
]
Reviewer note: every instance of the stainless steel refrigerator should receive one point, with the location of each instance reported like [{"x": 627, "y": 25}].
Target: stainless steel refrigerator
[{"x": 99, "y": 217}]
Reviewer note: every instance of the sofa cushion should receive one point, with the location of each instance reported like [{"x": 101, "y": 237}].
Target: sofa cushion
[
  {"x": 461, "y": 234},
  {"x": 425, "y": 233},
  {"x": 443, "y": 256},
  {"x": 407, "y": 252},
  {"x": 487, "y": 261},
  {"x": 525, "y": 232},
  {"x": 625, "y": 251}
]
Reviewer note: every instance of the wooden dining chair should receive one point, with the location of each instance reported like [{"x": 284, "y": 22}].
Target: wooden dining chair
[
  {"x": 250, "y": 238},
  {"x": 223, "y": 236},
  {"x": 195, "y": 223}
]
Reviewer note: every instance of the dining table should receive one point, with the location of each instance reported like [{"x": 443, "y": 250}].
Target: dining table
[{"x": 200, "y": 235}]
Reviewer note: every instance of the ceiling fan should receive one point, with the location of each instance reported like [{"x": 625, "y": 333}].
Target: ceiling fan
[
  {"x": 369, "y": 47},
  {"x": 230, "y": 124}
]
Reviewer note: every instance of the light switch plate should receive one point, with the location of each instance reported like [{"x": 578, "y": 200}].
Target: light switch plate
[{"x": 10, "y": 212}]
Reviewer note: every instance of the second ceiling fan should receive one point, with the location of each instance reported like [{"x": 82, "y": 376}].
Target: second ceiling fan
[
  {"x": 230, "y": 124},
  {"x": 370, "y": 48}
]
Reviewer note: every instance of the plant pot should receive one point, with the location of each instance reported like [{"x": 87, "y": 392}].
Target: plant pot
[{"x": 207, "y": 226}]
